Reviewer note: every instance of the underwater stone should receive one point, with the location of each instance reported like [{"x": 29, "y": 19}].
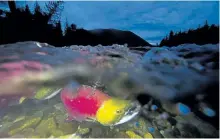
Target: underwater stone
[
  {"x": 28, "y": 132},
  {"x": 98, "y": 132},
  {"x": 148, "y": 135},
  {"x": 154, "y": 107},
  {"x": 151, "y": 129},
  {"x": 57, "y": 132},
  {"x": 207, "y": 130},
  {"x": 208, "y": 112},
  {"x": 46, "y": 126},
  {"x": 120, "y": 135},
  {"x": 161, "y": 124},
  {"x": 31, "y": 121},
  {"x": 59, "y": 107},
  {"x": 132, "y": 134},
  {"x": 188, "y": 130},
  {"x": 183, "y": 109},
  {"x": 150, "y": 115},
  {"x": 180, "y": 119},
  {"x": 140, "y": 126},
  {"x": 83, "y": 131},
  {"x": 60, "y": 118},
  {"x": 157, "y": 134},
  {"x": 67, "y": 128},
  {"x": 5, "y": 126},
  {"x": 172, "y": 121},
  {"x": 171, "y": 133}
]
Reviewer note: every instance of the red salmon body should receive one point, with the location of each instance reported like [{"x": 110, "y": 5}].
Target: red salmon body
[
  {"x": 83, "y": 102},
  {"x": 11, "y": 69}
]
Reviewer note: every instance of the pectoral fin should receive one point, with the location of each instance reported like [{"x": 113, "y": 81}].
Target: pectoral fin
[{"x": 91, "y": 119}]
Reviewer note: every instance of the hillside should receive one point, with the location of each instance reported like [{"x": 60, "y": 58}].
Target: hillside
[{"x": 119, "y": 36}]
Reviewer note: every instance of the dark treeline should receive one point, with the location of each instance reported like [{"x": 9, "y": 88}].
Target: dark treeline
[
  {"x": 200, "y": 36},
  {"x": 44, "y": 25},
  {"x": 20, "y": 24}
]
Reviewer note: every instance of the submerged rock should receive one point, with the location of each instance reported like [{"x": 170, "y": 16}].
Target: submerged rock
[
  {"x": 29, "y": 122},
  {"x": 132, "y": 134},
  {"x": 188, "y": 131},
  {"x": 46, "y": 127}
]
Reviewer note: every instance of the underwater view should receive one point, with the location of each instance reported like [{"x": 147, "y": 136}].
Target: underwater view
[
  {"x": 103, "y": 91},
  {"x": 104, "y": 83}
]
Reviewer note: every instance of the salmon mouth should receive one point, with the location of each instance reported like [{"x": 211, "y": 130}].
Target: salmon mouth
[{"x": 131, "y": 113}]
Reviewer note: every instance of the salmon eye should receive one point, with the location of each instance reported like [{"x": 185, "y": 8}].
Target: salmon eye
[{"x": 118, "y": 111}]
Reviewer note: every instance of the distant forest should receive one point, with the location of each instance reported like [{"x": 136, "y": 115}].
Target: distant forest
[
  {"x": 202, "y": 35},
  {"x": 20, "y": 24}
]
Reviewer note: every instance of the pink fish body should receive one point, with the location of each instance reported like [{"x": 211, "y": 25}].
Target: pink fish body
[
  {"x": 10, "y": 70},
  {"x": 84, "y": 103}
]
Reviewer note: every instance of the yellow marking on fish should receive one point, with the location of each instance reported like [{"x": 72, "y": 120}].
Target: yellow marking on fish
[{"x": 112, "y": 111}]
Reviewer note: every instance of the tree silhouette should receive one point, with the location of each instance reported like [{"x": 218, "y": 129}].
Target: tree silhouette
[
  {"x": 21, "y": 25},
  {"x": 171, "y": 34},
  {"x": 12, "y": 5},
  {"x": 202, "y": 35},
  {"x": 44, "y": 25},
  {"x": 54, "y": 9}
]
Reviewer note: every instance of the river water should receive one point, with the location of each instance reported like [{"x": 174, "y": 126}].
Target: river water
[{"x": 173, "y": 86}]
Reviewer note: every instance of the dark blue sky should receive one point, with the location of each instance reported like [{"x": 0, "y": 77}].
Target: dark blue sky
[{"x": 150, "y": 20}]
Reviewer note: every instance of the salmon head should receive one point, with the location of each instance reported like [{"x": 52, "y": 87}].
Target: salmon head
[
  {"x": 116, "y": 111},
  {"x": 88, "y": 103}
]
